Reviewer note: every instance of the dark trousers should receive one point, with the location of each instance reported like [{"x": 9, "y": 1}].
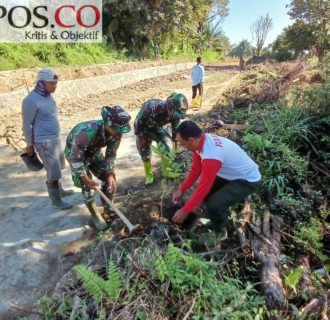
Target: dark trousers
[
  {"x": 223, "y": 194},
  {"x": 194, "y": 90}
]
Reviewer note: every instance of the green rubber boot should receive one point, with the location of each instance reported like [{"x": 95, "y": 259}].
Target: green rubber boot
[
  {"x": 98, "y": 220},
  {"x": 148, "y": 171}
]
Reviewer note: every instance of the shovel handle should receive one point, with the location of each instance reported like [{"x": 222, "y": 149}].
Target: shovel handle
[{"x": 116, "y": 210}]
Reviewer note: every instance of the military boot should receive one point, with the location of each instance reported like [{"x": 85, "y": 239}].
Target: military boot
[
  {"x": 148, "y": 172},
  {"x": 98, "y": 220},
  {"x": 54, "y": 192}
]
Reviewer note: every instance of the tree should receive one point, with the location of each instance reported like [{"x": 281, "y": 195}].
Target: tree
[
  {"x": 260, "y": 30},
  {"x": 138, "y": 24},
  {"x": 296, "y": 38},
  {"x": 243, "y": 49},
  {"x": 316, "y": 15}
]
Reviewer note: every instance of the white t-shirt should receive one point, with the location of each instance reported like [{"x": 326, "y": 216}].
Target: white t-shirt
[
  {"x": 236, "y": 164},
  {"x": 197, "y": 74}
]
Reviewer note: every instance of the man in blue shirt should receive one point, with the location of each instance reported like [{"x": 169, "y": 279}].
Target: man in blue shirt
[{"x": 197, "y": 77}]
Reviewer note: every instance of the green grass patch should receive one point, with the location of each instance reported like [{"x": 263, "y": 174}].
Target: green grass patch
[{"x": 25, "y": 55}]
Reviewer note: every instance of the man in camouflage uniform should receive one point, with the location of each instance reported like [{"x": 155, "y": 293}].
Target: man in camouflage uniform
[
  {"x": 149, "y": 126},
  {"x": 83, "y": 152}
]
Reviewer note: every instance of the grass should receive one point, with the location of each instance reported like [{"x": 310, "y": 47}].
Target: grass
[{"x": 25, "y": 55}]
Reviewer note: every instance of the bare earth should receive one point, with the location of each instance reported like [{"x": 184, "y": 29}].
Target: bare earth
[{"x": 39, "y": 244}]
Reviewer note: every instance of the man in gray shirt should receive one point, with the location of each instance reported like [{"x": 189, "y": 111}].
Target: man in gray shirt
[{"x": 41, "y": 129}]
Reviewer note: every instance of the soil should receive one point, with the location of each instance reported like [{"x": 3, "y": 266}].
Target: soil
[
  {"x": 11, "y": 80},
  {"x": 38, "y": 244}
]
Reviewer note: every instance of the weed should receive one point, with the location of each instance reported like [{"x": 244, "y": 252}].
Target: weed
[
  {"x": 292, "y": 279},
  {"x": 309, "y": 235},
  {"x": 97, "y": 286}
]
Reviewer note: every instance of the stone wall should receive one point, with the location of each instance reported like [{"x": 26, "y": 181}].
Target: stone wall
[{"x": 10, "y": 102}]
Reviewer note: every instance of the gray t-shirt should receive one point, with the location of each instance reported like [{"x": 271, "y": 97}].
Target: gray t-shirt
[{"x": 40, "y": 118}]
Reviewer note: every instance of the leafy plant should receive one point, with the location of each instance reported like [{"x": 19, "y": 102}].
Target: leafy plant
[
  {"x": 255, "y": 143},
  {"x": 290, "y": 125},
  {"x": 293, "y": 278},
  {"x": 217, "y": 295},
  {"x": 97, "y": 286},
  {"x": 173, "y": 168},
  {"x": 309, "y": 234}
]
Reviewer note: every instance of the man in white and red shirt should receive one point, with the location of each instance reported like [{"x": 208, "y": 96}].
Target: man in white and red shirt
[{"x": 227, "y": 175}]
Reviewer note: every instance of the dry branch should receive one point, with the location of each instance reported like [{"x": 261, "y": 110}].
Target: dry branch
[{"x": 270, "y": 90}]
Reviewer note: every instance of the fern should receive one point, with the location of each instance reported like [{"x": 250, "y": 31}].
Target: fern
[
  {"x": 114, "y": 283},
  {"x": 91, "y": 281},
  {"x": 293, "y": 278},
  {"x": 97, "y": 286}
]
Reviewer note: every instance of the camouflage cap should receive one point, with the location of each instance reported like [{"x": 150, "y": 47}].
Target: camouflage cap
[
  {"x": 117, "y": 118},
  {"x": 178, "y": 104}
]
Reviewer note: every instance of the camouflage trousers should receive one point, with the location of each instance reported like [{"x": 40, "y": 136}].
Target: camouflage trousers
[
  {"x": 94, "y": 164},
  {"x": 144, "y": 141}
]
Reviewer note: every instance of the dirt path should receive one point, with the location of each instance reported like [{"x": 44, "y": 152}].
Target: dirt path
[{"x": 39, "y": 244}]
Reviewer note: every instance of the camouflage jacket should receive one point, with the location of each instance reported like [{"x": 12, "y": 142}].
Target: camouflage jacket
[
  {"x": 152, "y": 117},
  {"x": 85, "y": 141}
]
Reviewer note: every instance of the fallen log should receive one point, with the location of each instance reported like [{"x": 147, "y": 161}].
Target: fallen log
[{"x": 266, "y": 243}]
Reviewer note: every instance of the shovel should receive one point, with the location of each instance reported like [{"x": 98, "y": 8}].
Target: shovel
[{"x": 117, "y": 211}]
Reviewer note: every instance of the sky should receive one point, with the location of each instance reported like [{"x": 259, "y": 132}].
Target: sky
[{"x": 243, "y": 13}]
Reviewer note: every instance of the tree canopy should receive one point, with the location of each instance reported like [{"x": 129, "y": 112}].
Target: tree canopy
[
  {"x": 311, "y": 28},
  {"x": 138, "y": 25}
]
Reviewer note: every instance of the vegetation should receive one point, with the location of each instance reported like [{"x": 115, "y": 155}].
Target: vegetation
[
  {"x": 24, "y": 55},
  {"x": 286, "y": 134},
  {"x": 310, "y": 31},
  {"x": 170, "y": 278}
]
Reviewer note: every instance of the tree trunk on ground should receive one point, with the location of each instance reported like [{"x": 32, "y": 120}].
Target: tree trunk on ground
[
  {"x": 265, "y": 243},
  {"x": 266, "y": 248}
]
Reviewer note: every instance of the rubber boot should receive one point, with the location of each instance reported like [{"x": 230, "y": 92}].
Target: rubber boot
[
  {"x": 98, "y": 220},
  {"x": 65, "y": 193},
  {"x": 194, "y": 102},
  {"x": 199, "y": 101},
  {"x": 55, "y": 196},
  {"x": 166, "y": 169},
  {"x": 148, "y": 171}
]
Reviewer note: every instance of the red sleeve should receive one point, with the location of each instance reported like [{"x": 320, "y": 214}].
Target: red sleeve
[
  {"x": 193, "y": 174},
  {"x": 210, "y": 168}
]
